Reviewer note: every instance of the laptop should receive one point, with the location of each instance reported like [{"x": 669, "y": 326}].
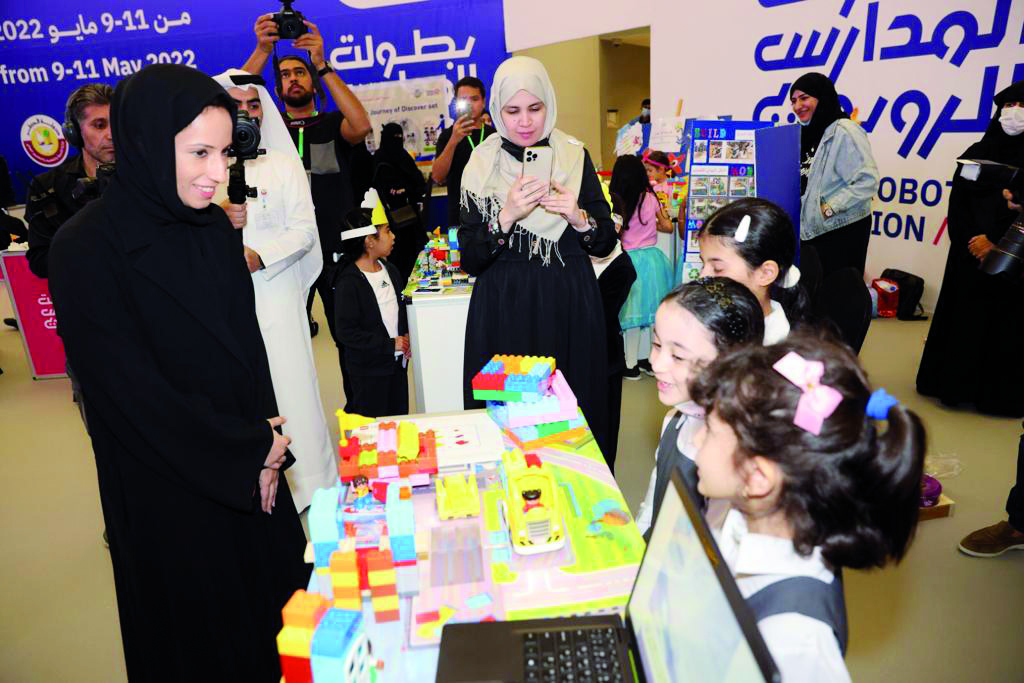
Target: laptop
[{"x": 685, "y": 621}]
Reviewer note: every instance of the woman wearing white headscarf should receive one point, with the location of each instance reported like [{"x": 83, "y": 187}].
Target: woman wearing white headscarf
[
  {"x": 529, "y": 244},
  {"x": 282, "y": 249}
]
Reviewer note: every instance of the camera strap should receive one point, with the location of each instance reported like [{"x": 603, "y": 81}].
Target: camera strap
[
  {"x": 472, "y": 145},
  {"x": 302, "y": 134}
]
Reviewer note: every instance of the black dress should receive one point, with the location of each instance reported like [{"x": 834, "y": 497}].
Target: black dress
[
  {"x": 157, "y": 313},
  {"x": 521, "y": 307},
  {"x": 972, "y": 354}
]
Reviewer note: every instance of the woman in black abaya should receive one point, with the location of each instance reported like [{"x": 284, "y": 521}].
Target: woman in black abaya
[
  {"x": 155, "y": 306},
  {"x": 973, "y": 350},
  {"x": 400, "y": 186},
  {"x": 536, "y": 293}
]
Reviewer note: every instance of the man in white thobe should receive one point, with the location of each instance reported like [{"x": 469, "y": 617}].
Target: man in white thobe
[{"x": 282, "y": 252}]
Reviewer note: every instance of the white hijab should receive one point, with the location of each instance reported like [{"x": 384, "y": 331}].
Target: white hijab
[{"x": 491, "y": 170}]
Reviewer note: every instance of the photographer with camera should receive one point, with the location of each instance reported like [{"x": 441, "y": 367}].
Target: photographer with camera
[
  {"x": 456, "y": 143},
  {"x": 979, "y": 318},
  {"x": 58, "y": 194},
  {"x": 325, "y": 140},
  {"x": 282, "y": 253}
]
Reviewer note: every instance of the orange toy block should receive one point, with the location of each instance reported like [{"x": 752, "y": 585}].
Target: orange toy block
[
  {"x": 387, "y": 459},
  {"x": 379, "y": 559},
  {"x": 390, "y": 615},
  {"x": 383, "y": 591},
  {"x": 304, "y": 609}
]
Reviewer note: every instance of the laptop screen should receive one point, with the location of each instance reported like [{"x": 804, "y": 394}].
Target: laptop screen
[{"x": 689, "y": 621}]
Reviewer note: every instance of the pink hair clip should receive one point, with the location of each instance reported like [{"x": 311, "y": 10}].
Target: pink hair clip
[
  {"x": 648, "y": 160},
  {"x": 818, "y": 400}
]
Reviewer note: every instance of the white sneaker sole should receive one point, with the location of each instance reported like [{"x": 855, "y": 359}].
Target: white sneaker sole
[{"x": 975, "y": 553}]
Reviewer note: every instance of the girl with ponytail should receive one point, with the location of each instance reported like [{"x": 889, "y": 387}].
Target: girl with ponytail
[
  {"x": 821, "y": 474},
  {"x": 753, "y": 242}
]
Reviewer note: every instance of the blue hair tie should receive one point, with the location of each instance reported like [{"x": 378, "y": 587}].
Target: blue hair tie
[{"x": 879, "y": 404}]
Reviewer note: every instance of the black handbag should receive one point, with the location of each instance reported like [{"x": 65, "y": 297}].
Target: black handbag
[{"x": 911, "y": 291}]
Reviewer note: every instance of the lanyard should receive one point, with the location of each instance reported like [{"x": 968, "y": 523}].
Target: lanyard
[
  {"x": 302, "y": 131},
  {"x": 472, "y": 145}
]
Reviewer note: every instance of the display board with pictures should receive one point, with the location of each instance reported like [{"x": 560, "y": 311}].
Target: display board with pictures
[{"x": 720, "y": 170}]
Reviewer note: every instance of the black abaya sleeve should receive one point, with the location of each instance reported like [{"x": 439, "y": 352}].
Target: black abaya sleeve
[
  {"x": 180, "y": 436},
  {"x": 591, "y": 199},
  {"x": 478, "y": 244}
]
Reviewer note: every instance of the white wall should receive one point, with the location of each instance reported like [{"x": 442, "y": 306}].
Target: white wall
[
  {"x": 529, "y": 23},
  {"x": 699, "y": 54}
]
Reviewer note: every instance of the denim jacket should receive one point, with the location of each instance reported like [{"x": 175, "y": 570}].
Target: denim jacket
[{"x": 843, "y": 175}]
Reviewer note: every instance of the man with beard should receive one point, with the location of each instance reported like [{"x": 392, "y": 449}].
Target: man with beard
[
  {"x": 50, "y": 201},
  {"x": 325, "y": 140}
]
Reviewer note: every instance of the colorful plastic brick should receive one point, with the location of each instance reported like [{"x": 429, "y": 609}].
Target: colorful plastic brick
[{"x": 458, "y": 495}]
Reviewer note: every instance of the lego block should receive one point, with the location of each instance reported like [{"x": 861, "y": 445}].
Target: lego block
[
  {"x": 386, "y": 616},
  {"x": 304, "y": 609},
  {"x": 322, "y": 552},
  {"x": 349, "y": 421},
  {"x": 294, "y": 641},
  {"x": 296, "y": 669},
  {"x": 335, "y": 631},
  {"x": 479, "y": 600},
  {"x": 379, "y": 577},
  {"x": 327, "y": 668},
  {"x": 385, "y": 603},
  {"x": 403, "y": 548},
  {"x": 322, "y": 511},
  {"x": 425, "y": 617},
  {"x": 390, "y": 472},
  {"x": 383, "y": 591}
]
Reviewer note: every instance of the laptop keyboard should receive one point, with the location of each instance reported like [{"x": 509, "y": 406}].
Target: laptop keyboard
[{"x": 579, "y": 655}]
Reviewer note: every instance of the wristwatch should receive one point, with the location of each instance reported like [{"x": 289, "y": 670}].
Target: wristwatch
[{"x": 324, "y": 71}]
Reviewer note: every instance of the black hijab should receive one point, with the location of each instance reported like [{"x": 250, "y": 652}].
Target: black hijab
[
  {"x": 996, "y": 145},
  {"x": 828, "y": 110},
  {"x": 148, "y": 110},
  {"x": 403, "y": 169}
]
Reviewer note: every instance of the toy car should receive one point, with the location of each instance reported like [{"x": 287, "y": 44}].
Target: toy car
[{"x": 532, "y": 508}]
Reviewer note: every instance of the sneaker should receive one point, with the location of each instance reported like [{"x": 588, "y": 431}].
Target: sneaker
[
  {"x": 631, "y": 373},
  {"x": 992, "y": 541},
  {"x": 645, "y": 367}
]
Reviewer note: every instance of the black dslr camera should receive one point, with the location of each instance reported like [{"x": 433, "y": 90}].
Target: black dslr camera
[
  {"x": 245, "y": 144},
  {"x": 289, "y": 22},
  {"x": 87, "y": 189},
  {"x": 1007, "y": 257}
]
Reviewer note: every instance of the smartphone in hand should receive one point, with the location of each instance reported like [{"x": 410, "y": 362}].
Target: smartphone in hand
[{"x": 537, "y": 162}]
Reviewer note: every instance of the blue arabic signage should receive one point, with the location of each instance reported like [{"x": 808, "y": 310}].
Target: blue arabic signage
[
  {"x": 48, "y": 50},
  {"x": 955, "y": 37}
]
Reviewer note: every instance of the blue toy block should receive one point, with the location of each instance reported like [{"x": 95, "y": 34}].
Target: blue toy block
[
  {"x": 323, "y": 511},
  {"x": 334, "y": 633},
  {"x": 327, "y": 668},
  {"x": 500, "y": 555},
  {"x": 403, "y": 548},
  {"x": 493, "y": 367},
  {"x": 400, "y": 514},
  {"x": 322, "y": 553},
  {"x": 479, "y": 600},
  {"x": 498, "y": 538}
]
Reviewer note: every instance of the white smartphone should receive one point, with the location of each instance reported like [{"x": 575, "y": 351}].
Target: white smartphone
[
  {"x": 462, "y": 107},
  {"x": 537, "y": 162}
]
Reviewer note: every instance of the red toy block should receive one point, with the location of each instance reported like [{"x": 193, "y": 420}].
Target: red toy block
[
  {"x": 347, "y": 469},
  {"x": 427, "y": 617},
  {"x": 380, "y": 491},
  {"x": 531, "y": 460},
  {"x": 349, "y": 449},
  {"x": 407, "y": 563},
  {"x": 378, "y": 559},
  {"x": 489, "y": 618},
  {"x": 296, "y": 669},
  {"x": 383, "y": 591},
  {"x": 390, "y": 615}
]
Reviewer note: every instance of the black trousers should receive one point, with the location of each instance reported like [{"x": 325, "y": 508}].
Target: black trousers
[
  {"x": 379, "y": 395},
  {"x": 325, "y": 286},
  {"x": 610, "y": 446},
  {"x": 844, "y": 247},
  {"x": 1015, "y": 502}
]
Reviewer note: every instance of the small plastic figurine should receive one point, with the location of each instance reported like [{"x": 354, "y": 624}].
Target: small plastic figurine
[
  {"x": 361, "y": 496},
  {"x": 532, "y": 498}
]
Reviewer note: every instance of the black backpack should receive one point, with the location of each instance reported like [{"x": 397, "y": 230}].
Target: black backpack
[{"x": 911, "y": 291}]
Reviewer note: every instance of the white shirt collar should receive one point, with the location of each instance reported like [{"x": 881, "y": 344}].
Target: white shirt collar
[
  {"x": 776, "y": 325},
  {"x": 752, "y": 554}
]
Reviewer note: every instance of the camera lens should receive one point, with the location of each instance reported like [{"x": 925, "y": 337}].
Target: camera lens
[{"x": 246, "y": 136}]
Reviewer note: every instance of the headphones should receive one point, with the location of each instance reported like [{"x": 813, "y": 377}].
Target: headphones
[{"x": 72, "y": 133}]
